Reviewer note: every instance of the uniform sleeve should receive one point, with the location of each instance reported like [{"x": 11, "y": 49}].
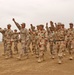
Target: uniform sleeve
[
  {"x": 2, "y": 31},
  {"x": 18, "y": 25},
  {"x": 12, "y": 35}
]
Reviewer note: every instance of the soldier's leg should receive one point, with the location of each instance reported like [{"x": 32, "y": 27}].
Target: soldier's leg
[
  {"x": 8, "y": 50},
  {"x": 41, "y": 56},
  {"x": 60, "y": 58},
  {"x": 21, "y": 51},
  {"x": 26, "y": 50},
  {"x": 70, "y": 53},
  {"x": 16, "y": 47},
  {"x": 4, "y": 44},
  {"x": 60, "y": 54},
  {"x": 34, "y": 48},
  {"x": 41, "y": 53},
  {"x": 37, "y": 49},
  {"x": 51, "y": 50}
]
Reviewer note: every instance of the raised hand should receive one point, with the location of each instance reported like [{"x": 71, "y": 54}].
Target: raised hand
[{"x": 13, "y": 19}]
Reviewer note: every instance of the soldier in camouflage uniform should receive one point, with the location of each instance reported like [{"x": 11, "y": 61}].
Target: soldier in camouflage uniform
[
  {"x": 3, "y": 39},
  {"x": 8, "y": 34},
  {"x": 60, "y": 43},
  {"x": 41, "y": 43},
  {"x": 37, "y": 42},
  {"x": 23, "y": 39},
  {"x": 29, "y": 40},
  {"x": 70, "y": 39},
  {"x": 15, "y": 39},
  {"x": 52, "y": 43},
  {"x": 33, "y": 38},
  {"x": 47, "y": 34}
]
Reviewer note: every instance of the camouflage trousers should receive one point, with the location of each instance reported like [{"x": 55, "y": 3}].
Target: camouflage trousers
[
  {"x": 60, "y": 49},
  {"x": 52, "y": 48},
  {"x": 16, "y": 46},
  {"x": 28, "y": 45},
  {"x": 41, "y": 49},
  {"x": 4, "y": 43},
  {"x": 34, "y": 46},
  {"x": 23, "y": 50},
  {"x": 8, "y": 49},
  {"x": 70, "y": 47}
]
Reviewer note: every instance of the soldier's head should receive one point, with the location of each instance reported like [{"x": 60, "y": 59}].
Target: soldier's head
[
  {"x": 63, "y": 25},
  {"x": 9, "y": 26},
  {"x": 5, "y": 29},
  {"x": 31, "y": 25},
  {"x": 41, "y": 27},
  {"x": 34, "y": 27},
  {"x": 46, "y": 24},
  {"x": 71, "y": 25},
  {"x": 23, "y": 25},
  {"x": 51, "y": 22},
  {"x": 37, "y": 27},
  {"x": 0, "y": 28},
  {"x": 15, "y": 30}
]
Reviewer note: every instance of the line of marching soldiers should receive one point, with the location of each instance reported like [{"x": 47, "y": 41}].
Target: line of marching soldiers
[{"x": 60, "y": 40}]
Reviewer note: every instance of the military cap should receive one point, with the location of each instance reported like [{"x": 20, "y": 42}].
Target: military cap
[
  {"x": 70, "y": 23},
  {"x": 23, "y": 24},
  {"x": 9, "y": 25},
  {"x": 51, "y": 22},
  {"x": 41, "y": 25}
]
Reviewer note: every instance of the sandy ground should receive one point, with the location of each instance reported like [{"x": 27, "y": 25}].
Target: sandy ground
[{"x": 32, "y": 67}]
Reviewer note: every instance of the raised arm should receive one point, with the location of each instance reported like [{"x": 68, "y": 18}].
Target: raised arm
[
  {"x": 1, "y": 30},
  {"x": 32, "y": 27},
  {"x": 17, "y": 24}
]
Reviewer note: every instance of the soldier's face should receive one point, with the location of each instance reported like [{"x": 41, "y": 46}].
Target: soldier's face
[
  {"x": 71, "y": 26},
  {"x": 41, "y": 27},
  {"x": 23, "y": 25},
  {"x": 8, "y": 27},
  {"x": 62, "y": 26},
  {"x": 15, "y": 31}
]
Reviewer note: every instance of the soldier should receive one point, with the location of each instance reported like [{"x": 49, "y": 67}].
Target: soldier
[
  {"x": 8, "y": 34},
  {"x": 60, "y": 43},
  {"x": 37, "y": 42},
  {"x": 3, "y": 39},
  {"x": 15, "y": 39},
  {"x": 33, "y": 38},
  {"x": 47, "y": 34},
  {"x": 23, "y": 38},
  {"x": 28, "y": 41},
  {"x": 70, "y": 38},
  {"x": 41, "y": 43}
]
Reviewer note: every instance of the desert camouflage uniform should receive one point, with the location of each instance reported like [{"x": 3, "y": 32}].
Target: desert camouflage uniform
[
  {"x": 52, "y": 43},
  {"x": 15, "y": 39},
  {"x": 33, "y": 36},
  {"x": 23, "y": 40},
  {"x": 28, "y": 40},
  {"x": 41, "y": 44},
  {"x": 70, "y": 41},
  {"x": 36, "y": 44},
  {"x": 60, "y": 44},
  {"x": 8, "y": 34},
  {"x": 3, "y": 39}
]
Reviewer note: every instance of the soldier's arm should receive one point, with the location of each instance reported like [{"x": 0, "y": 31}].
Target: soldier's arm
[
  {"x": 1, "y": 30},
  {"x": 47, "y": 28},
  {"x": 32, "y": 27},
  {"x": 17, "y": 24}
]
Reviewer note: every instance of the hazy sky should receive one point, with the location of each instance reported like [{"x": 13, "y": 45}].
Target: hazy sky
[{"x": 36, "y": 12}]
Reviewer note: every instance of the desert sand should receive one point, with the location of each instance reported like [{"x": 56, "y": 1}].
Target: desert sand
[{"x": 30, "y": 66}]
